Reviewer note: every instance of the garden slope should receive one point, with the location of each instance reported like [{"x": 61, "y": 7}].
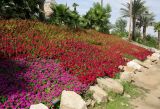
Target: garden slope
[
  {"x": 79, "y": 56},
  {"x": 85, "y": 53}
]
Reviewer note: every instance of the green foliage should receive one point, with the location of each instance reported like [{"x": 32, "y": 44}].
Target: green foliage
[
  {"x": 129, "y": 56},
  {"x": 3, "y": 99},
  {"x": 62, "y": 15},
  {"x": 132, "y": 90},
  {"x": 119, "y": 28},
  {"x": 150, "y": 41},
  {"x": 18, "y": 9},
  {"x": 157, "y": 26},
  {"x": 119, "y": 102},
  {"x": 98, "y": 18},
  {"x": 91, "y": 41}
]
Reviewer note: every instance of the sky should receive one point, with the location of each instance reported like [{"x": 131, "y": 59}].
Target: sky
[{"x": 84, "y": 6}]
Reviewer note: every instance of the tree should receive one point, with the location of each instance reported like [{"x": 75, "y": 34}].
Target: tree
[
  {"x": 62, "y": 15},
  {"x": 98, "y": 18},
  {"x": 23, "y": 9},
  {"x": 75, "y": 6},
  {"x": 146, "y": 19},
  {"x": 137, "y": 9},
  {"x": 120, "y": 27},
  {"x": 157, "y": 28}
]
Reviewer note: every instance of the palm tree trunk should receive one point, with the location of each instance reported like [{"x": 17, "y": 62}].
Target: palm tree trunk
[
  {"x": 130, "y": 22},
  {"x": 159, "y": 38},
  {"x": 133, "y": 28},
  {"x": 102, "y": 3},
  {"x": 144, "y": 32}
]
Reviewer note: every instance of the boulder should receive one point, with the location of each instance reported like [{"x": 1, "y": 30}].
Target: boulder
[
  {"x": 144, "y": 64},
  {"x": 38, "y": 106},
  {"x": 129, "y": 69},
  {"x": 71, "y": 100},
  {"x": 134, "y": 65},
  {"x": 109, "y": 84},
  {"x": 154, "y": 50},
  {"x": 98, "y": 94},
  {"x": 126, "y": 76}
]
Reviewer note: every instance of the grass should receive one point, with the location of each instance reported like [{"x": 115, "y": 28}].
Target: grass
[
  {"x": 118, "y": 101},
  {"x": 130, "y": 57}
]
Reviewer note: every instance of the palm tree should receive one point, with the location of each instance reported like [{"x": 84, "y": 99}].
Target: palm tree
[
  {"x": 146, "y": 19},
  {"x": 137, "y": 9},
  {"x": 75, "y": 6},
  {"x": 157, "y": 28}
]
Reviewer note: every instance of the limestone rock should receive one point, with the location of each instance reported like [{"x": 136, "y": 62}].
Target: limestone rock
[
  {"x": 144, "y": 64},
  {"x": 134, "y": 65},
  {"x": 71, "y": 100},
  {"x": 98, "y": 94},
  {"x": 88, "y": 102},
  {"x": 129, "y": 69},
  {"x": 38, "y": 106},
  {"x": 109, "y": 84},
  {"x": 126, "y": 76}
]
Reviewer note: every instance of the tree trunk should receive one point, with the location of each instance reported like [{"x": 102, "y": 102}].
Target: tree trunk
[
  {"x": 130, "y": 22},
  {"x": 159, "y": 38},
  {"x": 144, "y": 32},
  {"x": 133, "y": 28}
]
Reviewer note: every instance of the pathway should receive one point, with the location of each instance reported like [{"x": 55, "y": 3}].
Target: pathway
[{"x": 148, "y": 79}]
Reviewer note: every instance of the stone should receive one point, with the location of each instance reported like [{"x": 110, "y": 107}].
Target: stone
[
  {"x": 154, "y": 50},
  {"x": 134, "y": 65},
  {"x": 126, "y": 76},
  {"x": 38, "y": 106},
  {"x": 154, "y": 57},
  {"x": 71, "y": 100},
  {"x": 88, "y": 102},
  {"x": 109, "y": 84},
  {"x": 144, "y": 64},
  {"x": 129, "y": 69},
  {"x": 98, "y": 94},
  {"x": 121, "y": 67},
  {"x": 93, "y": 103}
]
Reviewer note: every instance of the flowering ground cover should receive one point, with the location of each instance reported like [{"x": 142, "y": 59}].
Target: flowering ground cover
[
  {"x": 42, "y": 60},
  {"x": 30, "y": 82}
]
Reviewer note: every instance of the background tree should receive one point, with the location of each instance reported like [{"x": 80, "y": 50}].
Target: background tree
[
  {"x": 24, "y": 9},
  {"x": 62, "y": 15},
  {"x": 157, "y": 28},
  {"x": 98, "y": 18},
  {"x": 119, "y": 28},
  {"x": 138, "y": 7},
  {"x": 145, "y": 19}
]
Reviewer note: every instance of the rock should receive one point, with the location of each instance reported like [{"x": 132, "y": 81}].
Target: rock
[
  {"x": 109, "y": 84},
  {"x": 71, "y": 100},
  {"x": 126, "y": 76},
  {"x": 154, "y": 57},
  {"x": 129, "y": 69},
  {"x": 154, "y": 50},
  {"x": 38, "y": 106},
  {"x": 127, "y": 95},
  {"x": 144, "y": 64},
  {"x": 88, "y": 102},
  {"x": 121, "y": 67},
  {"x": 93, "y": 103},
  {"x": 134, "y": 65},
  {"x": 98, "y": 94}
]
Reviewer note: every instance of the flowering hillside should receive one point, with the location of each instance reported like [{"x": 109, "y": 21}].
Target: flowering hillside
[{"x": 38, "y": 61}]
